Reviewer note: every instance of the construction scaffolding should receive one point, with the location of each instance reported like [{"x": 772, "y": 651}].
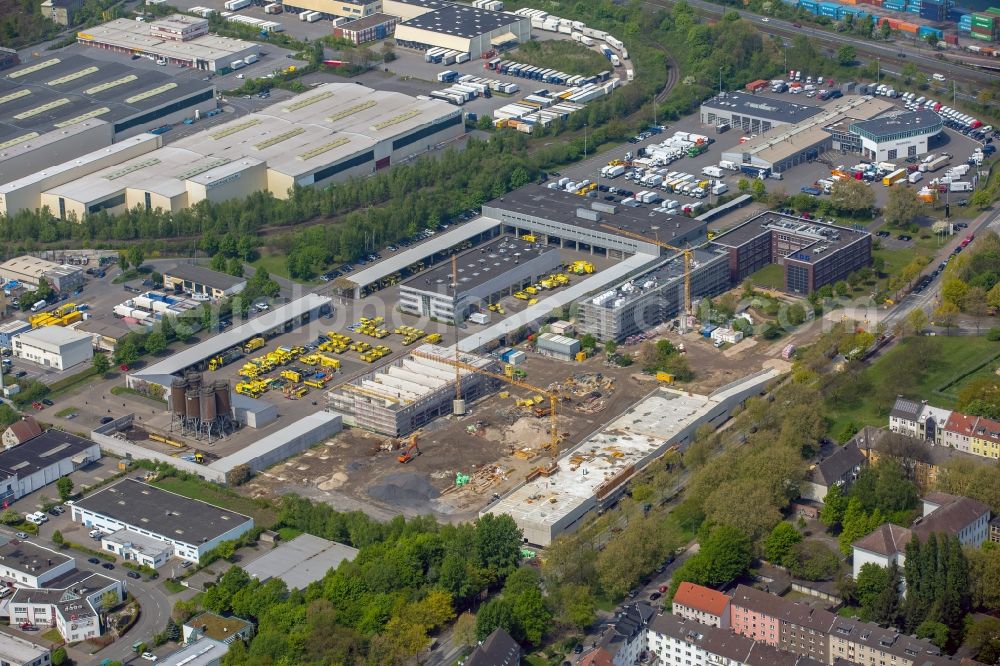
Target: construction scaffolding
[{"x": 412, "y": 391}]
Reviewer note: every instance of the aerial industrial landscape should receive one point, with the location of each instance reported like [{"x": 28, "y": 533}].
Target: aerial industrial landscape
[{"x": 499, "y": 332}]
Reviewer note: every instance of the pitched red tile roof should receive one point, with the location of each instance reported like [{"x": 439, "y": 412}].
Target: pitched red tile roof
[
  {"x": 701, "y": 598},
  {"x": 599, "y": 657}
]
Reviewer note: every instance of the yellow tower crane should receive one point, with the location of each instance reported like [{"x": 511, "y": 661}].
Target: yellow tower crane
[
  {"x": 687, "y": 252},
  {"x": 553, "y": 445}
]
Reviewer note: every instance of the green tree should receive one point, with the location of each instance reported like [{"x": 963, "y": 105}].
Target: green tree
[
  {"x": 172, "y": 631},
  {"x": 65, "y": 487},
  {"x": 758, "y": 190},
  {"x": 779, "y": 547},
  {"x": 531, "y": 617},
  {"x": 588, "y": 342},
  {"x": 834, "y": 506},
  {"x": 136, "y": 256},
  {"x": 126, "y": 353},
  {"x": 947, "y": 314},
  {"x": 495, "y": 613},
  {"x": 59, "y": 657},
  {"x": 983, "y": 638},
  {"x": 903, "y": 206},
  {"x": 984, "y": 574},
  {"x": 498, "y": 545},
  {"x": 917, "y": 321},
  {"x": 9, "y": 517},
  {"x": 575, "y": 607},
  {"x": 610, "y": 347},
  {"x": 814, "y": 561},
  {"x": 955, "y": 291},
  {"x": 154, "y": 343},
  {"x": 856, "y": 523},
  {"x": 878, "y": 593},
  {"x": 101, "y": 364},
  {"x": 846, "y": 55},
  {"x": 935, "y": 632},
  {"x": 109, "y": 600},
  {"x": 57, "y": 538}
]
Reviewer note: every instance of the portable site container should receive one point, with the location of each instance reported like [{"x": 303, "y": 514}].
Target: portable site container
[{"x": 462, "y": 57}]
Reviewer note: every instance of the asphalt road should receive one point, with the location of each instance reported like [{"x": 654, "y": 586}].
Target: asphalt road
[{"x": 887, "y": 51}]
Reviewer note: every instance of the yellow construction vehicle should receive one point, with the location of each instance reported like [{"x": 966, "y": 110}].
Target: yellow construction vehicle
[
  {"x": 291, "y": 376},
  {"x": 360, "y": 346},
  {"x": 310, "y": 359},
  {"x": 253, "y": 344},
  {"x": 582, "y": 267},
  {"x": 410, "y": 452},
  {"x": 315, "y": 383},
  {"x": 531, "y": 289},
  {"x": 530, "y": 238},
  {"x": 249, "y": 370},
  {"x": 520, "y": 295},
  {"x": 433, "y": 338},
  {"x": 328, "y": 362},
  {"x": 687, "y": 252}
]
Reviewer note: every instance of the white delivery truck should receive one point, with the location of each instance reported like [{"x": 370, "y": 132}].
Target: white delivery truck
[{"x": 713, "y": 171}]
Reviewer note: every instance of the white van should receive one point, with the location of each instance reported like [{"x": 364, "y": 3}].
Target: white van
[{"x": 36, "y": 518}]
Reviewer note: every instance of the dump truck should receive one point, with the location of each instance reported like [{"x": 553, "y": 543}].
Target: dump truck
[{"x": 253, "y": 344}]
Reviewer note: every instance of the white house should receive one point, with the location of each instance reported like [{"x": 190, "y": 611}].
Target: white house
[
  {"x": 918, "y": 420},
  {"x": 190, "y": 527},
  {"x": 54, "y": 347},
  {"x": 72, "y": 604},
  {"x": 950, "y": 515},
  {"x": 43, "y": 460},
  {"x": 26, "y": 564}
]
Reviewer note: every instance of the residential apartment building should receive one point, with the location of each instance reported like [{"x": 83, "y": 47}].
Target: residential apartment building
[
  {"x": 973, "y": 434},
  {"x": 919, "y": 420},
  {"x": 867, "y": 644},
  {"x": 701, "y": 604},
  {"x": 837, "y": 468},
  {"x": 676, "y": 641},
  {"x": 950, "y": 515},
  {"x": 788, "y": 626}
]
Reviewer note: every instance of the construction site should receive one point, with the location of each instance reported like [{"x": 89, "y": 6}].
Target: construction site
[{"x": 525, "y": 424}]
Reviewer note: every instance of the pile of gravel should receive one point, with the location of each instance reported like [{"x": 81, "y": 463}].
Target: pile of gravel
[{"x": 404, "y": 489}]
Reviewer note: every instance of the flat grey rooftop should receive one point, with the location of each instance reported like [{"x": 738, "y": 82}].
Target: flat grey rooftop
[
  {"x": 832, "y": 236},
  {"x": 40, "y": 98},
  {"x": 303, "y": 560},
  {"x": 202, "y": 275},
  {"x": 909, "y": 121},
  {"x": 479, "y": 265},
  {"x": 775, "y": 110},
  {"x": 234, "y": 336},
  {"x": 40, "y": 452},
  {"x": 461, "y": 20},
  {"x": 28, "y": 557},
  {"x": 162, "y": 512},
  {"x": 560, "y": 206}
]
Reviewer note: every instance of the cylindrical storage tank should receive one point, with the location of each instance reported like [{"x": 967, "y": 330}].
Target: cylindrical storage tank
[
  {"x": 223, "y": 405},
  {"x": 207, "y": 403},
  {"x": 194, "y": 380},
  {"x": 177, "y": 388},
  {"x": 192, "y": 402}
]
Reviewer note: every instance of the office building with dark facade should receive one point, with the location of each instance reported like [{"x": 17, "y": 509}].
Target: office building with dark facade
[{"x": 813, "y": 254}]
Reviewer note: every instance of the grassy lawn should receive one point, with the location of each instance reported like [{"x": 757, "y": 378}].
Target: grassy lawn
[
  {"x": 273, "y": 263},
  {"x": 172, "y": 586},
  {"x": 206, "y": 492},
  {"x": 54, "y": 636},
  {"x": 956, "y": 355},
  {"x": 288, "y": 533},
  {"x": 568, "y": 56},
  {"x": 771, "y": 276}
]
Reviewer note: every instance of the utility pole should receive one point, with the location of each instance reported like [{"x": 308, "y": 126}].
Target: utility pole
[
  {"x": 878, "y": 65},
  {"x": 720, "y": 82}
]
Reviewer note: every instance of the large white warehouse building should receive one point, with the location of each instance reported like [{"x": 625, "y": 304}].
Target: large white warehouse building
[{"x": 332, "y": 132}]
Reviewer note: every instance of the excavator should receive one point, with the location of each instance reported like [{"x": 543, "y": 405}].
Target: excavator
[{"x": 410, "y": 452}]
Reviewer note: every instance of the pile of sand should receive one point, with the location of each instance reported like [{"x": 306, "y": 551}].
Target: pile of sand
[{"x": 405, "y": 489}]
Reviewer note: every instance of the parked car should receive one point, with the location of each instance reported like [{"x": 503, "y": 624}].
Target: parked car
[
  {"x": 21, "y": 535},
  {"x": 93, "y": 560},
  {"x": 108, "y": 566},
  {"x": 149, "y": 656},
  {"x": 133, "y": 574},
  {"x": 47, "y": 402},
  {"x": 106, "y": 419}
]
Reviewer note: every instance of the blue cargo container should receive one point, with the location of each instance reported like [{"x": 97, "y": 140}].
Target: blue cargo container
[
  {"x": 829, "y": 8},
  {"x": 809, "y": 5},
  {"x": 955, "y": 13},
  {"x": 932, "y": 12},
  {"x": 925, "y": 31}
]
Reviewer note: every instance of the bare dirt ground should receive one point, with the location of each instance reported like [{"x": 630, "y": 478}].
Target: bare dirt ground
[{"x": 496, "y": 444}]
